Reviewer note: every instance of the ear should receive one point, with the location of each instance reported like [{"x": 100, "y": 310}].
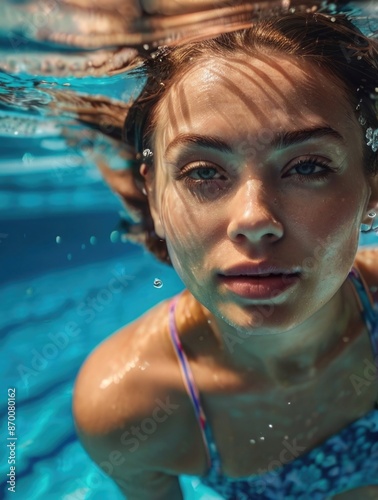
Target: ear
[{"x": 147, "y": 173}]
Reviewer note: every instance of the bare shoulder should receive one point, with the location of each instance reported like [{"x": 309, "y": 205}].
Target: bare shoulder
[
  {"x": 367, "y": 262},
  {"x": 122, "y": 403},
  {"x": 121, "y": 365}
]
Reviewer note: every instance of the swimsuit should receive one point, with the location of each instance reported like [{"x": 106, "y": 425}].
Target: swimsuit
[{"x": 347, "y": 460}]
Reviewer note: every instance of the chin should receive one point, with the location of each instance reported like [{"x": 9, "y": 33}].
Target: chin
[{"x": 258, "y": 319}]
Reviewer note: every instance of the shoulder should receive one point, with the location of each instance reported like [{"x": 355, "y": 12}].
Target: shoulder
[
  {"x": 367, "y": 262},
  {"x": 124, "y": 396},
  {"x": 120, "y": 378}
]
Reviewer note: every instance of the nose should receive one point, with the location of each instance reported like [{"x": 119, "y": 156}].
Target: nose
[{"x": 251, "y": 218}]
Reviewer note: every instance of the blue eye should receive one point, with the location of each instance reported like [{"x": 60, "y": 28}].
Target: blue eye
[
  {"x": 305, "y": 170},
  {"x": 203, "y": 173}
]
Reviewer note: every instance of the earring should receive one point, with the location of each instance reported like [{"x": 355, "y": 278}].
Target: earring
[{"x": 370, "y": 228}]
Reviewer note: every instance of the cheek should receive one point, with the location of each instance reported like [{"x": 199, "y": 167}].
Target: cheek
[
  {"x": 179, "y": 221},
  {"x": 331, "y": 229},
  {"x": 188, "y": 232}
]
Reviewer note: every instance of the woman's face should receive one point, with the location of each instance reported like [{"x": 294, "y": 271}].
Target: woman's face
[{"x": 258, "y": 160}]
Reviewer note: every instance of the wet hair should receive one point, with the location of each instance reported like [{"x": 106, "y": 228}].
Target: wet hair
[{"x": 331, "y": 42}]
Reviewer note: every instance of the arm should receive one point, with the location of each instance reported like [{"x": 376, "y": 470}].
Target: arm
[
  {"x": 108, "y": 417},
  {"x": 134, "y": 481}
]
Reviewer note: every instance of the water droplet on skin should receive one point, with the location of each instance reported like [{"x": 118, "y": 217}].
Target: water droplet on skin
[
  {"x": 158, "y": 283},
  {"x": 58, "y": 239},
  {"x": 252, "y": 441},
  {"x": 93, "y": 240}
]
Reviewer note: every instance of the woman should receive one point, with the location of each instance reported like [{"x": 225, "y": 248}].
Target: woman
[{"x": 255, "y": 170}]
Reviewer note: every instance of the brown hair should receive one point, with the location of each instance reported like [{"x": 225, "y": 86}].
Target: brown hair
[{"x": 332, "y": 42}]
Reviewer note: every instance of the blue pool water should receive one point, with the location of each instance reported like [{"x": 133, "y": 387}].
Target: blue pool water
[{"x": 60, "y": 255}]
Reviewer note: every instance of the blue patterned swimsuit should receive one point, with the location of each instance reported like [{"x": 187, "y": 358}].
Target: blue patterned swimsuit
[{"x": 345, "y": 461}]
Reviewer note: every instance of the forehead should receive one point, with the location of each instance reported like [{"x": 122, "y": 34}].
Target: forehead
[{"x": 244, "y": 94}]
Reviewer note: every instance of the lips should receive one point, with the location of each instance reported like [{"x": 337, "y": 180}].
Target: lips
[{"x": 263, "y": 286}]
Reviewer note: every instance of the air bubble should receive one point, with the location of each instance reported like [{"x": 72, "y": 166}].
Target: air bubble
[
  {"x": 262, "y": 438},
  {"x": 270, "y": 425},
  {"x": 58, "y": 239},
  {"x": 333, "y": 19},
  {"x": 93, "y": 240},
  {"x": 362, "y": 120},
  {"x": 69, "y": 256},
  {"x": 158, "y": 283},
  {"x": 147, "y": 153},
  {"x": 146, "y": 46},
  {"x": 252, "y": 441},
  {"x": 27, "y": 158},
  {"x": 114, "y": 236},
  {"x": 83, "y": 246}
]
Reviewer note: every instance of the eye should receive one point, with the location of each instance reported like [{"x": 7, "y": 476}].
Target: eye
[
  {"x": 310, "y": 169},
  {"x": 203, "y": 173},
  {"x": 205, "y": 181},
  {"x": 200, "y": 173}
]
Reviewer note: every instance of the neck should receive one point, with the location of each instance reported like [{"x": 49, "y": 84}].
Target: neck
[{"x": 293, "y": 355}]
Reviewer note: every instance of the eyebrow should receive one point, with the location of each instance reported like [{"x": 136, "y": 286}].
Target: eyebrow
[{"x": 280, "y": 140}]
